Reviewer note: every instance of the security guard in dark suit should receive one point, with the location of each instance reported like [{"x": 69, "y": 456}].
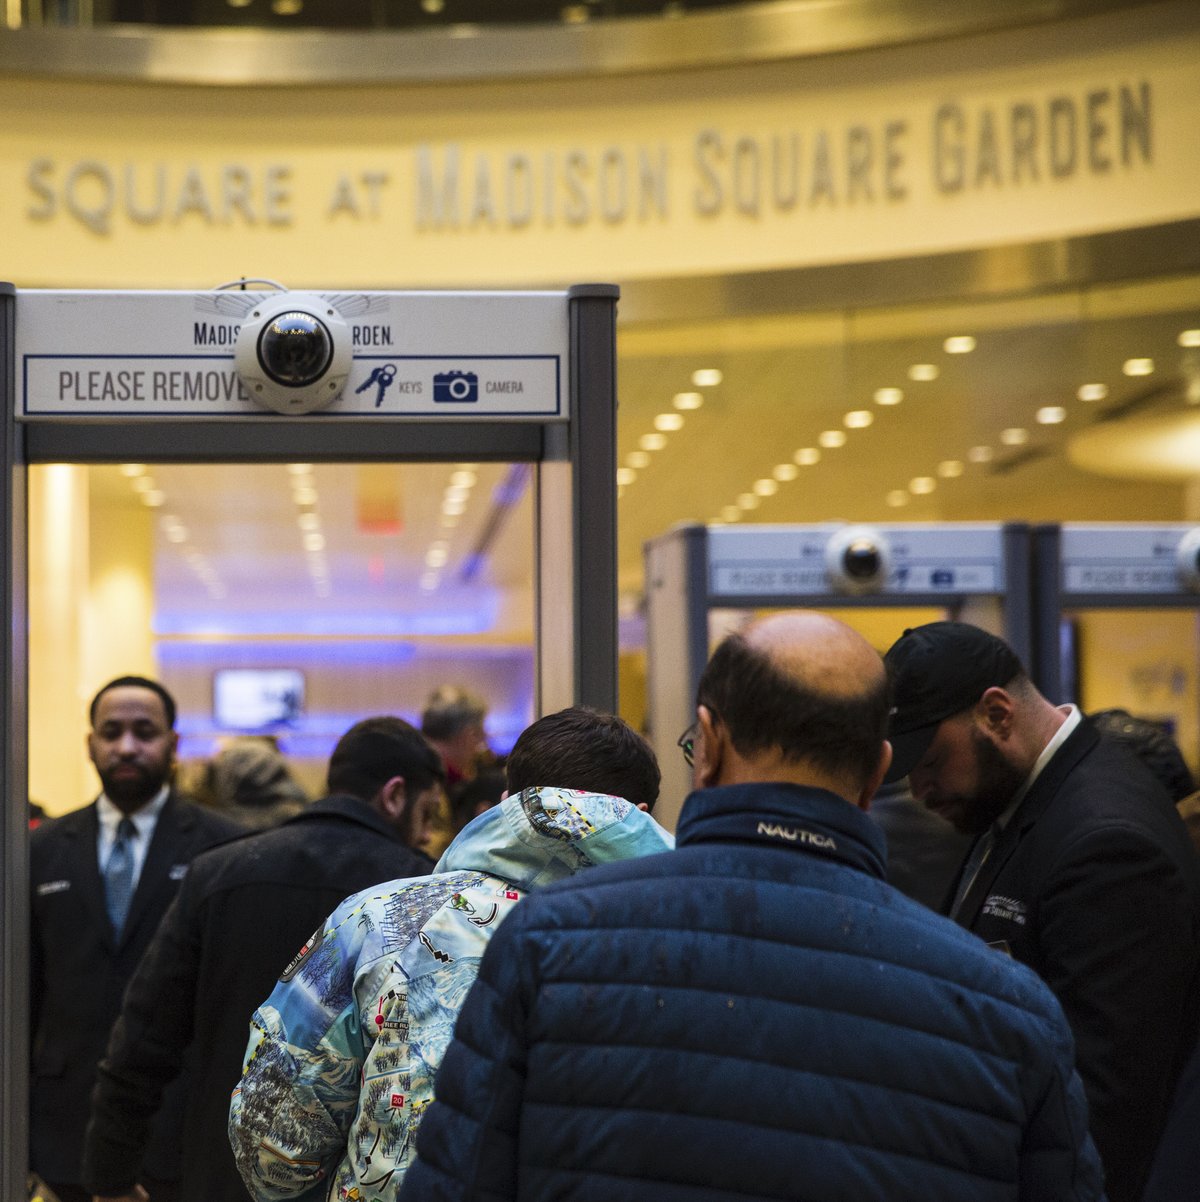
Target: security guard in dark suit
[{"x": 102, "y": 878}]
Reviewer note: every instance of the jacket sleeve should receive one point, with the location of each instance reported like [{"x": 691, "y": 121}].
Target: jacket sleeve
[
  {"x": 1115, "y": 947},
  {"x": 291, "y": 1112},
  {"x": 467, "y": 1141},
  {"x": 145, "y": 1052}
]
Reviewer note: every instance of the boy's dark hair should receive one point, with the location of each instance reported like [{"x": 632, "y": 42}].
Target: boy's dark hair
[
  {"x": 581, "y": 748},
  {"x": 480, "y": 792},
  {"x": 136, "y": 682},
  {"x": 374, "y": 750},
  {"x": 764, "y": 708}
]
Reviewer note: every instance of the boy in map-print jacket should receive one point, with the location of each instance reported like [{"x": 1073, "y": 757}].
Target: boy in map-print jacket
[{"x": 342, "y": 1056}]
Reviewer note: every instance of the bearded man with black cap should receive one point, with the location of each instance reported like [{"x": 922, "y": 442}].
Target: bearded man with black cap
[{"x": 1081, "y": 868}]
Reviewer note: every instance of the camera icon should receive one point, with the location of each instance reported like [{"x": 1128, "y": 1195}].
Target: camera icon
[{"x": 455, "y": 387}]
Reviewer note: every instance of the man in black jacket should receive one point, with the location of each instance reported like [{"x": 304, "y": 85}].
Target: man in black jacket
[
  {"x": 1081, "y": 868},
  {"x": 243, "y": 913},
  {"x": 102, "y": 878}
]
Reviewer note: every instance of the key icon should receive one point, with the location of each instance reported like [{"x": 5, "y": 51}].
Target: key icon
[{"x": 381, "y": 378}]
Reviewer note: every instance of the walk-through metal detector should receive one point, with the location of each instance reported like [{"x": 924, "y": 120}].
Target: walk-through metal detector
[
  {"x": 247, "y": 374},
  {"x": 693, "y": 569},
  {"x": 1106, "y": 565}
]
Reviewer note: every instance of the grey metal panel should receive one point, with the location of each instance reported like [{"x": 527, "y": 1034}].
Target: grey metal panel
[
  {"x": 677, "y": 650},
  {"x": 744, "y": 33},
  {"x": 278, "y": 440},
  {"x": 593, "y": 312},
  {"x": 1018, "y": 600},
  {"x": 14, "y": 828}
]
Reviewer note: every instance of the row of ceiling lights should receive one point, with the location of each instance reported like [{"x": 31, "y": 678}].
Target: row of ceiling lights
[
  {"x": 455, "y": 499},
  {"x": 173, "y": 528},
  {"x": 665, "y": 423},
  {"x": 312, "y": 537}
]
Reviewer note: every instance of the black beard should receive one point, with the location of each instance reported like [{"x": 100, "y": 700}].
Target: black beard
[
  {"x": 131, "y": 794},
  {"x": 999, "y": 781}
]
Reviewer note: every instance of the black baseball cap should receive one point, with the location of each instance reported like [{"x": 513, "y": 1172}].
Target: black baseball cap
[{"x": 938, "y": 670}]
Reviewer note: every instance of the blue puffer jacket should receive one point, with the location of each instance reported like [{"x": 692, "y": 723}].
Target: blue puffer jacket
[{"x": 754, "y": 1015}]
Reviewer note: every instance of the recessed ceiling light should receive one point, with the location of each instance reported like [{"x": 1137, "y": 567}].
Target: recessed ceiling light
[
  {"x": 433, "y": 7},
  {"x": 464, "y": 478},
  {"x": 575, "y": 14},
  {"x": 832, "y": 438},
  {"x": 1051, "y": 415},
  {"x": 177, "y": 534},
  {"x": 299, "y": 469},
  {"x": 688, "y": 400},
  {"x": 981, "y": 454},
  {"x": 652, "y": 442},
  {"x": 1092, "y": 392},
  {"x": 133, "y": 469},
  {"x": 1189, "y": 338},
  {"x": 731, "y": 513},
  {"x": 454, "y": 507},
  {"x": 807, "y": 456},
  {"x": 435, "y": 557},
  {"x": 897, "y": 498},
  {"x": 669, "y": 421},
  {"x": 455, "y": 493},
  {"x": 960, "y": 344},
  {"x": 889, "y": 396},
  {"x": 314, "y": 540},
  {"x": 923, "y": 372},
  {"x": 308, "y": 521},
  {"x": 154, "y": 498},
  {"x": 707, "y": 377},
  {"x": 920, "y": 486},
  {"x": 785, "y": 471},
  {"x": 748, "y": 500},
  {"x": 950, "y": 469},
  {"x": 238, "y": 3},
  {"x": 1014, "y": 436},
  {"x": 766, "y": 487},
  {"x": 143, "y": 484},
  {"x": 638, "y": 459},
  {"x": 304, "y": 496},
  {"x": 1138, "y": 367},
  {"x": 626, "y": 475},
  {"x": 858, "y": 419}
]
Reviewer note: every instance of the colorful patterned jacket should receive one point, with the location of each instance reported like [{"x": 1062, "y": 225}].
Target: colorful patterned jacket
[{"x": 341, "y": 1058}]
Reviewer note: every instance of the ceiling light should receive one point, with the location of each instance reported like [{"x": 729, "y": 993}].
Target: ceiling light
[
  {"x": 638, "y": 459},
  {"x": 433, "y": 7},
  {"x": 143, "y": 484},
  {"x": 923, "y": 372},
  {"x": 807, "y": 456},
  {"x": 1051, "y": 415},
  {"x": 747, "y": 501},
  {"x": 308, "y": 521},
  {"x": 300, "y": 469},
  {"x": 981, "y": 454},
  {"x": 960, "y": 344},
  {"x": 575, "y": 14},
  {"x": 436, "y": 556},
  {"x": 177, "y": 534},
  {"x": 1092, "y": 392},
  {"x": 785, "y": 472},
  {"x": 314, "y": 541},
  {"x": 304, "y": 496},
  {"x": 832, "y": 438},
  {"x": 731, "y": 513},
  {"x": 1138, "y": 367},
  {"x": 688, "y": 400},
  {"x": 897, "y": 497},
  {"x": 133, "y": 469},
  {"x": 858, "y": 419},
  {"x": 950, "y": 469},
  {"x": 920, "y": 486},
  {"x": 707, "y": 377},
  {"x": 454, "y": 508},
  {"x": 652, "y": 442},
  {"x": 1014, "y": 436},
  {"x": 454, "y": 493},
  {"x": 463, "y": 479},
  {"x": 626, "y": 475},
  {"x": 286, "y": 8},
  {"x": 766, "y": 487},
  {"x": 450, "y": 519},
  {"x": 154, "y": 498},
  {"x": 888, "y": 396},
  {"x": 669, "y": 421},
  {"x": 1189, "y": 338}
]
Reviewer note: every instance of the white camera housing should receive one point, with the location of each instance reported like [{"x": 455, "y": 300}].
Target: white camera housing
[
  {"x": 293, "y": 352},
  {"x": 858, "y": 560},
  {"x": 1187, "y": 560}
]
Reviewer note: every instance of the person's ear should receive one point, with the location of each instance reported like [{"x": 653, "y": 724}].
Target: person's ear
[
  {"x": 641, "y": 805},
  {"x": 709, "y": 748},
  {"x": 996, "y": 711},
  {"x": 392, "y": 799},
  {"x": 863, "y": 801}
]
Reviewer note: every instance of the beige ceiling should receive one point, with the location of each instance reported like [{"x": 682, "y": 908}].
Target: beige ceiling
[{"x": 785, "y": 380}]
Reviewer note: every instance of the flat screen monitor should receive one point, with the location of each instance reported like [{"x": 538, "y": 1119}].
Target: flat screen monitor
[{"x": 257, "y": 698}]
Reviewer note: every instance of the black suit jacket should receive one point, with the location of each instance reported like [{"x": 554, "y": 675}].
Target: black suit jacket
[
  {"x": 1095, "y": 885},
  {"x": 78, "y": 971},
  {"x": 243, "y": 913}
]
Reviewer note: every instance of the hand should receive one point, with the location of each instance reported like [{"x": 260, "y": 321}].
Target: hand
[{"x": 137, "y": 1194}]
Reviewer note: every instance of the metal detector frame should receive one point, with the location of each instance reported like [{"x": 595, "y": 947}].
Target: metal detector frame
[
  {"x": 679, "y": 596},
  {"x": 575, "y": 620}
]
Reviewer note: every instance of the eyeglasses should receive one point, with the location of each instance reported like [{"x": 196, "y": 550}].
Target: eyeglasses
[{"x": 687, "y": 744}]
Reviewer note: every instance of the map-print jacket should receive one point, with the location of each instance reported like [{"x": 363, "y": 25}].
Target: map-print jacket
[{"x": 341, "y": 1058}]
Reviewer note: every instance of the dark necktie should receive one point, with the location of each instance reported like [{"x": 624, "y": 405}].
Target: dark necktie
[
  {"x": 975, "y": 862},
  {"x": 118, "y": 875}
]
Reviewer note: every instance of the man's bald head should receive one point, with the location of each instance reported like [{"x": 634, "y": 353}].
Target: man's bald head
[{"x": 803, "y": 689}]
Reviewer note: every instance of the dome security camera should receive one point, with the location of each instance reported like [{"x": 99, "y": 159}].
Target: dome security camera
[
  {"x": 1187, "y": 560},
  {"x": 858, "y": 560},
  {"x": 293, "y": 352}
]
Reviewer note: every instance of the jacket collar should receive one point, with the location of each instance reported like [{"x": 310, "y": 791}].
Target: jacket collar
[
  {"x": 352, "y": 809},
  {"x": 793, "y": 817}
]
